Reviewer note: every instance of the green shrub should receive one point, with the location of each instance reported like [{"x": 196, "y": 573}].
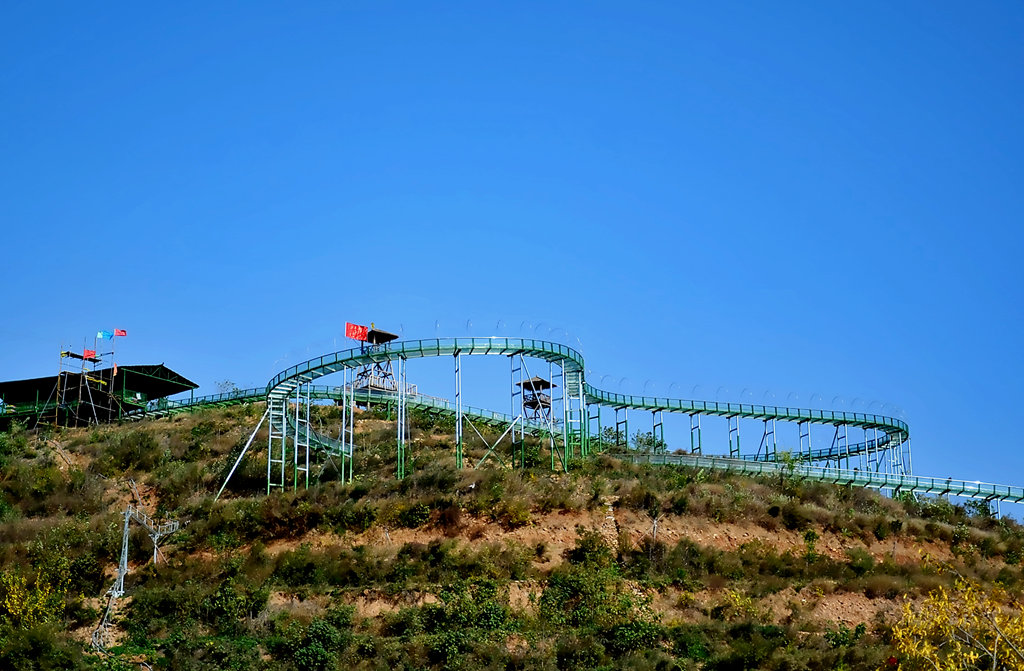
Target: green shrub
[
  {"x": 689, "y": 641},
  {"x": 193, "y": 652},
  {"x": 300, "y": 567},
  {"x": 575, "y": 595},
  {"x": 134, "y": 450},
  {"x": 319, "y": 647},
  {"x": 860, "y": 561},
  {"x": 844, "y": 636},
  {"x": 7, "y": 511},
  {"x": 637, "y": 634},
  {"x": 750, "y": 646},
  {"x": 579, "y": 652},
  {"x": 40, "y": 648},
  {"x": 794, "y": 516},
  {"x": 13, "y": 442},
  {"x": 513, "y": 513},
  {"x": 590, "y": 549},
  {"x": 403, "y": 624},
  {"x": 414, "y": 516},
  {"x": 641, "y": 498}
]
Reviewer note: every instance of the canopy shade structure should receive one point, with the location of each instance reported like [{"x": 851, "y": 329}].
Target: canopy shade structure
[
  {"x": 536, "y": 384},
  {"x": 378, "y": 337},
  {"x": 76, "y": 398}
]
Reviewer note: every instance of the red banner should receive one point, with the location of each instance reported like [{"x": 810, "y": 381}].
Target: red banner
[
  {"x": 89, "y": 354},
  {"x": 120, "y": 332},
  {"x": 355, "y": 331}
]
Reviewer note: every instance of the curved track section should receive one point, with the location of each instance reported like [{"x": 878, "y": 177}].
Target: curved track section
[
  {"x": 894, "y": 432},
  {"x": 445, "y": 407},
  {"x": 285, "y": 383}
]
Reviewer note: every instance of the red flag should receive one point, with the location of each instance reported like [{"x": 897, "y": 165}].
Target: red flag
[
  {"x": 355, "y": 331},
  {"x": 115, "y": 370},
  {"x": 89, "y": 354},
  {"x": 120, "y": 332}
]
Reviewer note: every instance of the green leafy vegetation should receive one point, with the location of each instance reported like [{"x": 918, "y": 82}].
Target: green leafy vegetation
[{"x": 610, "y": 566}]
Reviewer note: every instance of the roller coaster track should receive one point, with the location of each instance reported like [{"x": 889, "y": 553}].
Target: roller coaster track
[
  {"x": 442, "y": 407},
  {"x": 894, "y": 432}
]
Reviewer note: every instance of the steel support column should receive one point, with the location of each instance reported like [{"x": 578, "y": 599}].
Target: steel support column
[
  {"x": 840, "y": 446},
  {"x": 658, "y": 431},
  {"x": 301, "y": 440},
  {"x": 122, "y": 566},
  {"x": 804, "y": 430},
  {"x": 768, "y": 443},
  {"x": 458, "y": 409},
  {"x": 574, "y": 426},
  {"x": 401, "y": 428},
  {"x": 696, "y": 444},
  {"x": 241, "y": 456},
  {"x": 277, "y": 439},
  {"x": 518, "y": 410},
  {"x": 348, "y": 424},
  {"x": 594, "y": 415}
]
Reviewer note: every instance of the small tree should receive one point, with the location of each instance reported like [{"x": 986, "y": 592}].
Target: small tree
[
  {"x": 646, "y": 441},
  {"x": 227, "y": 387},
  {"x": 962, "y": 628},
  {"x": 611, "y": 437}
]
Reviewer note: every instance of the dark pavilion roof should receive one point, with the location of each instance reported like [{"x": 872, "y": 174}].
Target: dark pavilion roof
[
  {"x": 154, "y": 381},
  {"x": 536, "y": 384},
  {"x": 377, "y": 337}
]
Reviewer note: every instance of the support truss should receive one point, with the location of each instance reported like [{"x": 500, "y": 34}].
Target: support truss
[
  {"x": 734, "y": 436},
  {"x": 492, "y": 448},
  {"x": 574, "y": 428},
  {"x": 458, "y": 409},
  {"x": 804, "y": 445},
  {"x": 402, "y": 427},
  {"x": 768, "y": 443},
  {"x": 658, "y": 431},
  {"x": 622, "y": 428},
  {"x": 696, "y": 444},
  {"x": 840, "y": 450},
  {"x": 518, "y": 374},
  {"x": 594, "y": 428},
  {"x": 348, "y": 426},
  {"x": 156, "y": 532},
  {"x": 277, "y": 440}
]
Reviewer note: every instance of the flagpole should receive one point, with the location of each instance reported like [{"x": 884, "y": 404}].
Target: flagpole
[
  {"x": 81, "y": 379},
  {"x": 113, "y": 372},
  {"x": 113, "y": 367}
]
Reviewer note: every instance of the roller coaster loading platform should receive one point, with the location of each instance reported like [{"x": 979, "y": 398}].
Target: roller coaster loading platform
[{"x": 882, "y": 455}]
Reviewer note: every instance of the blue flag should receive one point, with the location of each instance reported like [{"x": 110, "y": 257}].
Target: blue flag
[{"x": 105, "y": 335}]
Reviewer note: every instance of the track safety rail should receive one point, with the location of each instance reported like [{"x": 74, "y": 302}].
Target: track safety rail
[
  {"x": 840, "y": 476},
  {"x": 892, "y": 432}
]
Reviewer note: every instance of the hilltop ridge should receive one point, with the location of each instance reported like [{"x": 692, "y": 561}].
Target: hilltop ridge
[{"x": 612, "y": 565}]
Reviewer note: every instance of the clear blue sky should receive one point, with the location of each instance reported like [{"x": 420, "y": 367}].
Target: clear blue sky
[{"x": 786, "y": 200}]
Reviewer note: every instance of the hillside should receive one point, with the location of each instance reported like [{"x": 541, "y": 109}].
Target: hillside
[{"x": 610, "y": 566}]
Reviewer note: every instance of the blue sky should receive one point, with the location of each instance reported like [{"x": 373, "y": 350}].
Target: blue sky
[{"x": 779, "y": 201}]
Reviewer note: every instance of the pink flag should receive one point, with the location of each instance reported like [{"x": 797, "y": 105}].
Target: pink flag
[{"x": 120, "y": 332}]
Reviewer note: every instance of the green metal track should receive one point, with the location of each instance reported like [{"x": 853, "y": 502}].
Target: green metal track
[
  {"x": 839, "y": 476},
  {"x": 894, "y": 432},
  {"x": 439, "y": 406}
]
